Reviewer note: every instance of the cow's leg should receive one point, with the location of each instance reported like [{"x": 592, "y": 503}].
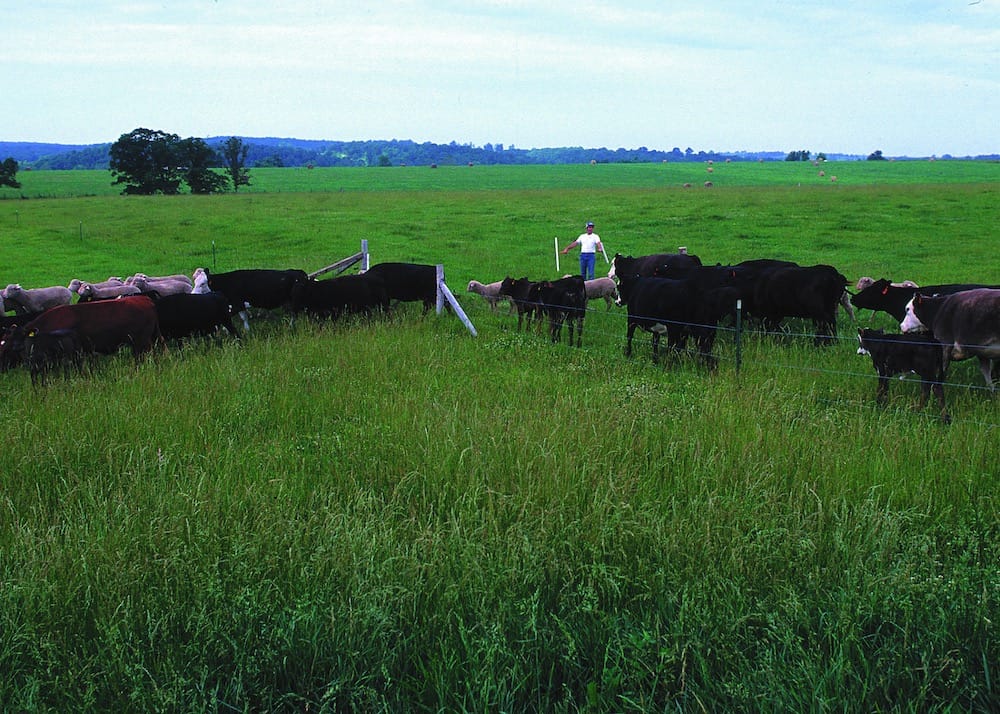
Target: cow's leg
[
  {"x": 938, "y": 388},
  {"x": 628, "y": 338},
  {"x": 986, "y": 367},
  {"x": 882, "y": 391}
]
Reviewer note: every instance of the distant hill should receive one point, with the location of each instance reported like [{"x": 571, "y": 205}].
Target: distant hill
[{"x": 277, "y": 151}]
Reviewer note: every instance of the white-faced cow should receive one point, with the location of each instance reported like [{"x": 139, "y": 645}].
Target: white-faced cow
[{"x": 967, "y": 324}]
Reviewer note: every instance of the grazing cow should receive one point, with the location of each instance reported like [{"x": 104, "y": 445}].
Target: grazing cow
[
  {"x": 184, "y": 315},
  {"x": 648, "y": 265},
  {"x": 345, "y": 294},
  {"x": 408, "y": 282},
  {"x": 266, "y": 289},
  {"x": 562, "y": 300},
  {"x": 901, "y": 354},
  {"x": 44, "y": 351},
  {"x": 808, "y": 292},
  {"x": 602, "y": 289},
  {"x": 967, "y": 324},
  {"x": 524, "y": 294},
  {"x": 104, "y": 326},
  {"x": 23, "y": 301},
  {"x": 677, "y": 307},
  {"x": 882, "y": 295},
  {"x": 92, "y": 291}
]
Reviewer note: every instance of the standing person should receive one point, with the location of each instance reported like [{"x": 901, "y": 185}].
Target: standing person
[{"x": 589, "y": 243}]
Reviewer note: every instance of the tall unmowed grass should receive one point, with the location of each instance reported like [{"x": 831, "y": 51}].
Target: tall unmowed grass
[{"x": 394, "y": 515}]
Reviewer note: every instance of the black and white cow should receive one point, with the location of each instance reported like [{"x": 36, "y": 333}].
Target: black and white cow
[
  {"x": 967, "y": 324},
  {"x": 901, "y": 354},
  {"x": 649, "y": 265}
]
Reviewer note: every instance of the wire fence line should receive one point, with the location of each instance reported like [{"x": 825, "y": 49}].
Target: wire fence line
[{"x": 756, "y": 332}]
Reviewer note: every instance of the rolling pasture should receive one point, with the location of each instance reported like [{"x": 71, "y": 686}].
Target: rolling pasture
[{"x": 398, "y": 516}]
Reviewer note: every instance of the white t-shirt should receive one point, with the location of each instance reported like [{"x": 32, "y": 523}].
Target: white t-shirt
[{"x": 588, "y": 242}]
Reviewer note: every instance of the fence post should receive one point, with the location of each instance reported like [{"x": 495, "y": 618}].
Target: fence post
[
  {"x": 739, "y": 334},
  {"x": 443, "y": 293},
  {"x": 364, "y": 255}
]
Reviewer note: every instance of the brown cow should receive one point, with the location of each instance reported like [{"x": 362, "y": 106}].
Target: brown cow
[{"x": 104, "y": 326}]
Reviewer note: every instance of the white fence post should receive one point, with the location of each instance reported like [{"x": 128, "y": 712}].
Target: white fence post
[{"x": 443, "y": 293}]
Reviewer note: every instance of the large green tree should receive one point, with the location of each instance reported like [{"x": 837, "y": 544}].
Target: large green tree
[
  {"x": 234, "y": 158},
  {"x": 8, "y": 173},
  {"x": 197, "y": 159},
  {"x": 145, "y": 162}
]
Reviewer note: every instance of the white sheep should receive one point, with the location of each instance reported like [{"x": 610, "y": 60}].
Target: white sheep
[
  {"x": 867, "y": 282},
  {"x": 490, "y": 293},
  {"x": 605, "y": 288}
]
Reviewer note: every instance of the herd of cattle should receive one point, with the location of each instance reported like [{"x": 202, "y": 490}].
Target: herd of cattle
[{"x": 670, "y": 294}]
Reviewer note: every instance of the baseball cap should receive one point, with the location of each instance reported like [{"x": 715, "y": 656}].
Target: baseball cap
[{"x": 590, "y": 224}]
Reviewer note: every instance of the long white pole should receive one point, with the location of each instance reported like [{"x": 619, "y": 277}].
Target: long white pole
[{"x": 556, "y": 240}]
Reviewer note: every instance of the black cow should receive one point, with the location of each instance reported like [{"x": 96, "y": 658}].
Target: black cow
[
  {"x": 649, "y": 265},
  {"x": 678, "y": 308},
  {"x": 346, "y": 294},
  {"x": 523, "y": 293},
  {"x": 408, "y": 282},
  {"x": 562, "y": 300},
  {"x": 262, "y": 288},
  {"x": 967, "y": 324},
  {"x": 184, "y": 315},
  {"x": 45, "y": 351},
  {"x": 812, "y": 292},
  {"x": 883, "y": 296},
  {"x": 900, "y": 354}
]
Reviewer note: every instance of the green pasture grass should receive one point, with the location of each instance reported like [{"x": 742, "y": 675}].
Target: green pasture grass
[{"x": 394, "y": 515}]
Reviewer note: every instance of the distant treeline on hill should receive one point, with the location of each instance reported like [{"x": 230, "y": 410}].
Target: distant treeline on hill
[
  {"x": 272, "y": 151},
  {"x": 301, "y": 152}
]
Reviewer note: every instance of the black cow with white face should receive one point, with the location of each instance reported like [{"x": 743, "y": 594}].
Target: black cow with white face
[
  {"x": 901, "y": 354},
  {"x": 967, "y": 324},
  {"x": 884, "y": 296}
]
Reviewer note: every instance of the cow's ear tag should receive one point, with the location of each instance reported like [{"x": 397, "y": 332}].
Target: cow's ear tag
[{"x": 885, "y": 290}]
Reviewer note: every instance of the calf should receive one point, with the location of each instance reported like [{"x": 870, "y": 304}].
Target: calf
[
  {"x": 523, "y": 293},
  {"x": 562, "y": 300},
  {"x": 901, "y": 354}
]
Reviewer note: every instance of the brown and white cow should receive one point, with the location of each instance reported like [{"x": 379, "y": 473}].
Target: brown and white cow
[{"x": 967, "y": 324}]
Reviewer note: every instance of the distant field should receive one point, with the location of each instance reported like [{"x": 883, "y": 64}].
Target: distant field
[
  {"x": 398, "y": 516},
  {"x": 63, "y": 184}
]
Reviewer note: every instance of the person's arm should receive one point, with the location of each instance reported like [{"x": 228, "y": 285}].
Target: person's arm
[{"x": 566, "y": 249}]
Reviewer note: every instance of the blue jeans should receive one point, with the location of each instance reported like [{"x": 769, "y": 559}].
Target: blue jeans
[{"x": 587, "y": 261}]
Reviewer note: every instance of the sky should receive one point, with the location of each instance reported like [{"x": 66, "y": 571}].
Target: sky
[{"x": 909, "y": 78}]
